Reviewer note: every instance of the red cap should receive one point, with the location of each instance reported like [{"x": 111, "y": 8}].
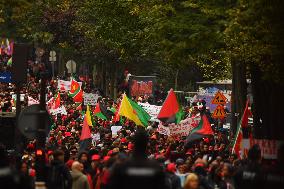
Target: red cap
[
  {"x": 106, "y": 158},
  {"x": 130, "y": 146},
  {"x": 49, "y": 152},
  {"x": 96, "y": 157},
  {"x": 171, "y": 167},
  {"x": 206, "y": 140},
  {"x": 123, "y": 140},
  {"x": 67, "y": 134},
  {"x": 69, "y": 163},
  {"x": 109, "y": 153}
]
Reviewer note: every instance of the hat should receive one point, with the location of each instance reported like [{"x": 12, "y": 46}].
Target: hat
[
  {"x": 96, "y": 157},
  {"x": 109, "y": 153},
  {"x": 130, "y": 146},
  {"x": 106, "y": 158},
  {"x": 69, "y": 163},
  {"x": 123, "y": 140},
  {"x": 49, "y": 152},
  {"x": 67, "y": 134},
  {"x": 179, "y": 161},
  {"x": 206, "y": 140},
  {"x": 189, "y": 152},
  {"x": 171, "y": 167}
]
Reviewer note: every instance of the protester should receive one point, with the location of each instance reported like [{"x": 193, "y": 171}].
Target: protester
[
  {"x": 138, "y": 172},
  {"x": 191, "y": 182},
  {"x": 134, "y": 156},
  {"x": 58, "y": 174},
  {"x": 80, "y": 181}
]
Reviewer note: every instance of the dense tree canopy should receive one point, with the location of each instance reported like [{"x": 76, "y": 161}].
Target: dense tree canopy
[{"x": 182, "y": 35}]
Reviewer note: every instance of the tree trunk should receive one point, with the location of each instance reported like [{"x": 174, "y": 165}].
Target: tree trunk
[
  {"x": 239, "y": 91},
  {"x": 176, "y": 79},
  {"x": 267, "y": 106}
]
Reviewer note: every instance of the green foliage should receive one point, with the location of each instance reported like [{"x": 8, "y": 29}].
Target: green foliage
[
  {"x": 255, "y": 36},
  {"x": 165, "y": 35}
]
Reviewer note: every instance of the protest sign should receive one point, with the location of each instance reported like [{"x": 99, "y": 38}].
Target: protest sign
[
  {"x": 96, "y": 137},
  {"x": 90, "y": 99},
  {"x": 152, "y": 110},
  {"x": 268, "y": 147},
  {"x": 115, "y": 129},
  {"x": 65, "y": 85},
  {"x": 181, "y": 129},
  {"x": 163, "y": 130},
  {"x": 184, "y": 127},
  {"x": 60, "y": 110},
  {"x": 32, "y": 101}
]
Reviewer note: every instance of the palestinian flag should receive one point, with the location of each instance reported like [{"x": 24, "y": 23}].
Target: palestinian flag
[
  {"x": 239, "y": 133},
  {"x": 133, "y": 112},
  {"x": 102, "y": 112},
  {"x": 86, "y": 138},
  {"x": 75, "y": 91},
  {"x": 201, "y": 131},
  {"x": 171, "y": 112}
]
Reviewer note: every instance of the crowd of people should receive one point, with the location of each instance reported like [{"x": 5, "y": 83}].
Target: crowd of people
[{"x": 136, "y": 157}]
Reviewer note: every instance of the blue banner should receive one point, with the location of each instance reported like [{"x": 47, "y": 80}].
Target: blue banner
[{"x": 6, "y": 77}]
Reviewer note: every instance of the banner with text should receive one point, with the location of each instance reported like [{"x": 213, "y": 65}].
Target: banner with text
[
  {"x": 90, "y": 99},
  {"x": 181, "y": 129},
  {"x": 65, "y": 85},
  {"x": 60, "y": 110},
  {"x": 268, "y": 147}
]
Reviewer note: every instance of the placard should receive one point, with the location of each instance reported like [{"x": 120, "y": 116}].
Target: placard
[
  {"x": 60, "y": 110},
  {"x": 181, "y": 129},
  {"x": 90, "y": 99},
  {"x": 152, "y": 110}
]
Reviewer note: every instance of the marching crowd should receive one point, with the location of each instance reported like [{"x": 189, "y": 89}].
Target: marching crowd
[{"x": 135, "y": 157}]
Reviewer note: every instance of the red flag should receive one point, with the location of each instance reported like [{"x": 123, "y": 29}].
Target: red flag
[
  {"x": 57, "y": 101},
  {"x": 239, "y": 134},
  {"x": 170, "y": 111},
  {"x": 116, "y": 116},
  {"x": 86, "y": 133}
]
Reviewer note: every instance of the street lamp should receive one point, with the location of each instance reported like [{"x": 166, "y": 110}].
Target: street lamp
[{"x": 52, "y": 59}]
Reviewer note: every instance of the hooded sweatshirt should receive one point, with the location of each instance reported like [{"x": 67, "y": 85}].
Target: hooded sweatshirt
[{"x": 80, "y": 180}]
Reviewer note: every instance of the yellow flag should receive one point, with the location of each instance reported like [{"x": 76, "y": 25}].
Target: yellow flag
[
  {"x": 88, "y": 116},
  {"x": 128, "y": 111}
]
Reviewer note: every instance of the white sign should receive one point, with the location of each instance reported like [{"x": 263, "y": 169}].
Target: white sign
[
  {"x": 32, "y": 101},
  {"x": 90, "y": 99},
  {"x": 181, "y": 129},
  {"x": 152, "y": 110},
  {"x": 163, "y": 130},
  {"x": 60, "y": 110},
  {"x": 65, "y": 85},
  {"x": 96, "y": 137},
  {"x": 115, "y": 129}
]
